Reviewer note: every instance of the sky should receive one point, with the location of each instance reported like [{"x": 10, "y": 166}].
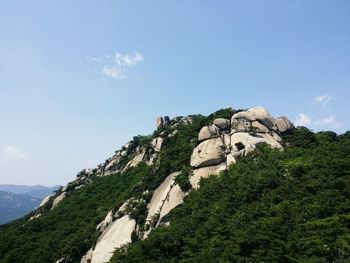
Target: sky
[{"x": 78, "y": 79}]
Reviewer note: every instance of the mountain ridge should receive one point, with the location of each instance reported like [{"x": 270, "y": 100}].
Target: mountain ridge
[{"x": 123, "y": 201}]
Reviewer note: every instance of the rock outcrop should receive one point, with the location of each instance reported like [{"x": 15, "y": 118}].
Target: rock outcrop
[
  {"x": 222, "y": 143},
  {"x": 162, "y": 121},
  {"x": 283, "y": 124},
  {"x": 114, "y": 235},
  {"x": 167, "y": 196},
  {"x": 207, "y": 153}
]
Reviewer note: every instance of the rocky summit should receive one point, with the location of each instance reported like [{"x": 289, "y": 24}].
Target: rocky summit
[{"x": 129, "y": 199}]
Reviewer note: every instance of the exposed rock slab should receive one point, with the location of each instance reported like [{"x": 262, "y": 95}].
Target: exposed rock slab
[
  {"x": 117, "y": 234},
  {"x": 205, "y": 172},
  {"x": 157, "y": 143},
  {"x": 58, "y": 199}
]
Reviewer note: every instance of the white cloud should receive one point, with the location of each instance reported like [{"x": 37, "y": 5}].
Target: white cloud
[
  {"x": 12, "y": 152},
  {"x": 302, "y": 120},
  {"x": 113, "y": 72},
  {"x": 329, "y": 122},
  {"x": 126, "y": 60},
  {"x": 118, "y": 65},
  {"x": 321, "y": 100}
]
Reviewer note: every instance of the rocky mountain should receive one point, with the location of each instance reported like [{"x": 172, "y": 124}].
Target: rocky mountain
[
  {"x": 38, "y": 191},
  {"x": 19, "y": 200},
  {"x": 13, "y": 206},
  {"x": 234, "y": 186}
]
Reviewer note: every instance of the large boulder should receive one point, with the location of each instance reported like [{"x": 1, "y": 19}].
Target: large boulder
[
  {"x": 207, "y": 153},
  {"x": 243, "y": 121},
  {"x": 162, "y": 121},
  {"x": 208, "y": 132},
  {"x": 222, "y": 124},
  {"x": 284, "y": 124},
  {"x": 262, "y": 115}
]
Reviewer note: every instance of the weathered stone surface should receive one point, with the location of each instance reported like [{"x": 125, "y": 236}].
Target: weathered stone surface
[
  {"x": 159, "y": 122},
  {"x": 205, "y": 172},
  {"x": 112, "y": 163},
  {"x": 45, "y": 200},
  {"x": 208, "y": 132},
  {"x": 138, "y": 158},
  {"x": 207, "y": 153},
  {"x": 175, "y": 197},
  {"x": 240, "y": 124},
  {"x": 106, "y": 222},
  {"x": 249, "y": 140},
  {"x": 157, "y": 143},
  {"x": 262, "y": 115},
  {"x": 258, "y": 127},
  {"x": 159, "y": 198},
  {"x": 117, "y": 234},
  {"x": 64, "y": 188},
  {"x": 58, "y": 199},
  {"x": 162, "y": 121},
  {"x": 87, "y": 257},
  {"x": 160, "y": 195},
  {"x": 222, "y": 123},
  {"x": 284, "y": 124}
]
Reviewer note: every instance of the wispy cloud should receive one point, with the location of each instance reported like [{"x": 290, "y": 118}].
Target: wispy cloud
[
  {"x": 329, "y": 122},
  {"x": 302, "y": 120},
  {"x": 12, "y": 152},
  {"x": 117, "y": 66},
  {"x": 321, "y": 100}
]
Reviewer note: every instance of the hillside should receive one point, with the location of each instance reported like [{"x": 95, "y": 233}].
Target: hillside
[{"x": 279, "y": 194}]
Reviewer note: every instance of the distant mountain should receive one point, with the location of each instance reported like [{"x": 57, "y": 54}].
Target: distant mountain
[
  {"x": 18, "y": 200},
  {"x": 13, "y": 206},
  {"x": 38, "y": 191}
]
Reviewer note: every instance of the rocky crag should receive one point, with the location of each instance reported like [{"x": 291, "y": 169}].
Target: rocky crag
[{"x": 219, "y": 144}]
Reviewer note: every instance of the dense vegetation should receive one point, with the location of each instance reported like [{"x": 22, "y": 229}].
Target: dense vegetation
[{"x": 271, "y": 206}]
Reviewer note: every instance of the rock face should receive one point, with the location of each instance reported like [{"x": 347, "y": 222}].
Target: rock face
[
  {"x": 205, "y": 172},
  {"x": 224, "y": 142},
  {"x": 117, "y": 234},
  {"x": 157, "y": 143},
  {"x": 207, "y": 153},
  {"x": 165, "y": 197},
  {"x": 208, "y": 132},
  {"x": 162, "y": 121},
  {"x": 222, "y": 124},
  {"x": 58, "y": 199},
  {"x": 283, "y": 124}
]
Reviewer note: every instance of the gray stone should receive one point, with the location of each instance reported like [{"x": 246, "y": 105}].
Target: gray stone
[
  {"x": 222, "y": 124},
  {"x": 208, "y": 132},
  {"x": 284, "y": 124},
  {"x": 207, "y": 153}
]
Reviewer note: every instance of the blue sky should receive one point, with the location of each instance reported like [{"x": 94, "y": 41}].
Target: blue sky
[{"x": 78, "y": 79}]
